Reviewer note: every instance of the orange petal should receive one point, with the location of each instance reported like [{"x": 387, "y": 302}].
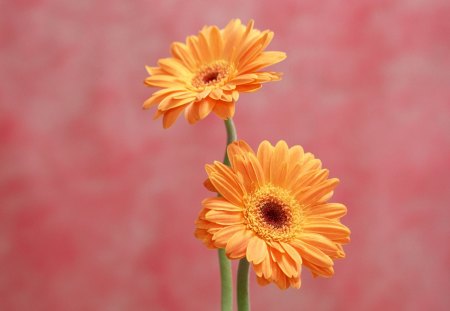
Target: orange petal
[
  {"x": 204, "y": 48},
  {"x": 192, "y": 45},
  {"x": 255, "y": 166},
  {"x": 160, "y": 95},
  {"x": 226, "y": 182},
  {"x": 312, "y": 178},
  {"x": 191, "y": 113},
  {"x": 216, "y": 42},
  {"x": 222, "y": 236},
  {"x": 232, "y": 35},
  {"x": 300, "y": 183},
  {"x": 249, "y": 168},
  {"x": 224, "y": 110},
  {"x": 295, "y": 155},
  {"x": 265, "y": 59},
  {"x": 238, "y": 147},
  {"x": 216, "y": 94},
  {"x": 319, "y": 241},
  {"x": 240, "y": 168},
  {"x": 227, "y": 188},
  {"x": 256, "y": 250},
  {"x": 173, "y": 67},
  {"x": 330, "y": 228},
  {"x": 264, "y": 156},
  {"x": 310, "y": 162},
  {"x": 248, "y": 88},
  {"x": 282, "y": 281},
  {"x": 208, "y": 185},
  {"x": 154, "y": 70},
  {"x": 292, "y": 252},
  {"x": 180, "y": 51},
  {"x": 289, "y": 267},
  {"x": 262, "y": 281},
  {"x": 276, "y": 245},
  {"x": 162, "y": 81},
  {"x": 318, "y": 191},
  {"x": 173, "y": 103},
  {"x": 267, "y": 267},
  {"x": 328, "y": 210},
  {"x": 278, "y": 164},
  {"x": 244, "y": 79},
  {"x": 254, "y": 50},
  {"x": 224, "y": 217},
  {"x": 318, "y": 270},
  {"x": 237, "y": 245},
  {"x": 170, "y": 116},
  {"x": 295, "y": 282},
  {"x": 312, "y": 254},
  {"x": 206, "y": 106},
  {"x": 220, "y": 204}
]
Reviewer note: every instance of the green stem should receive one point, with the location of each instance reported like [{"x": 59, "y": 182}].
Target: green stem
[
  {"x": 231, "y": 136},
  {"x": 242, "y": 286},
  {"x": 224, "y": 262},
  {"x": 226, "y": 281}
]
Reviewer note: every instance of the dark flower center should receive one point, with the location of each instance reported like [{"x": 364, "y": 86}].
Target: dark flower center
[
  {"x": 210, "y": 77},
  {"x": 274, "y": 214}
]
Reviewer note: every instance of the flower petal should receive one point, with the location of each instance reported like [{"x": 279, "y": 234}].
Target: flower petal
[
  {"x": 224, "y": 217},
  {"x": 256, "y": 250},
  {"x": 173, "y": 103},
  {"x": 222, "y": 236},
  {"x": 292, "y": 252},
  {"x": 321, "y": 242},
  {"x": 318, "y": 191},
  {"x": 170, "y": 116},
  {"x": 181, "y": 52},
  {"x": 224, "y": 110},
  {"x": 237, "y": 245},
  {"x": 262, "y": 281},
  {"x": 265, "y": 59},
  {"x": 312, "y": 254},
  {"x": 278, "y": 165},
  {"x": 216, "y": 42},
  {"x": 173, "y": 67},
  {"x": 220, "y": 204},
  {"x": 332, "y": 229},
  {"x": 264, "y": 156},
  {"x": 327, "y": 210},
  {"x": 248, "y": 88},
  {"x": 225, "y": 181},
  {"x": 266, "y": 267}
]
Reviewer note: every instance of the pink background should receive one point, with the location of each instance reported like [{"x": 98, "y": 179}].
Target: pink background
[{"x": 97, "y": 201}]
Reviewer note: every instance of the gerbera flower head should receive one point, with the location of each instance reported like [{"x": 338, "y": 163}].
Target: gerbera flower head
[
  {"x": 274, "y": 212},
  {"x": 207, "y": 73}
]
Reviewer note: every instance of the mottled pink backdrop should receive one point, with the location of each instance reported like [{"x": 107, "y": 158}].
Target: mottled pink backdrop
[{"x": 98, "y": 202}]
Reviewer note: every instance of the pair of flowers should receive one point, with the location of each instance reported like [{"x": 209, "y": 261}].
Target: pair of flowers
[{"x": 273, "y": 206}]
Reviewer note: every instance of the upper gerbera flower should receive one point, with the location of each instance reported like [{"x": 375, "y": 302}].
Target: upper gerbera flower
[
  {"x": 209, "y": 71},
  {"x": 274, "y": 212}
]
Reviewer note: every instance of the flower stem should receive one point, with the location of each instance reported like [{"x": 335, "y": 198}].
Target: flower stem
[
  {"x": 226, "y": 281},
  {"x": 224, "y": 262},
  {"x": 231, "y": 136},
  {"x": 242, "y": 286}
]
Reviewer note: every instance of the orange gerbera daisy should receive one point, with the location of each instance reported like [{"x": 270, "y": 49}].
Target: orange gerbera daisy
[
  {"x": 274, "y": 212},
  {"x": 209, "y": 71}
]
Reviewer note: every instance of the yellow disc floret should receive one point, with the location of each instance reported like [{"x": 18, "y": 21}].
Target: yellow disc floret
[{"x": 273, "y": 213}]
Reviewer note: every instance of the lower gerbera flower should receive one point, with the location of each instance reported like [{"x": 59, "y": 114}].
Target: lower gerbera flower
[
  {"x": 208, "y": 73},
  {"x": 273, "y": 211}
]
